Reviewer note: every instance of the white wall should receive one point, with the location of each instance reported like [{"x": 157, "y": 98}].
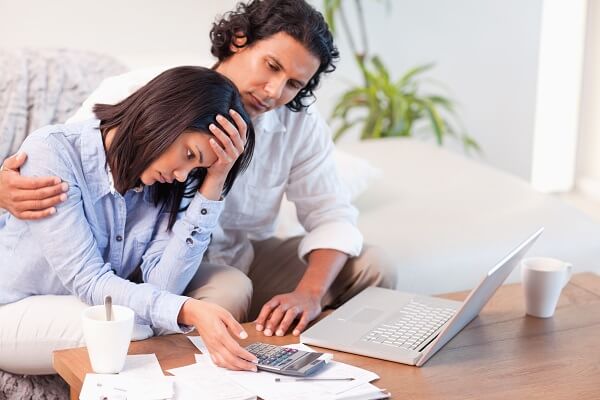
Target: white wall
[
  {"x": 139, "y": 32},
  {"x": 588, "y": 166},
  {"x": 486, "y": 50},
  {"x": 486, "y": 53}
]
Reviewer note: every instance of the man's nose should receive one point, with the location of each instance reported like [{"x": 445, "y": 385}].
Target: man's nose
[{"x": 275, "y": 87}]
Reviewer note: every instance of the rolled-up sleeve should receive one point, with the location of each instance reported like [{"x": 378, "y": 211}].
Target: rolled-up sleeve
[{"x": 322, "y": 202}]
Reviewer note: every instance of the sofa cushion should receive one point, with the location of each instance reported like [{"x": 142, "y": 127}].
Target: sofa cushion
[{"x": 445, "y": 220}]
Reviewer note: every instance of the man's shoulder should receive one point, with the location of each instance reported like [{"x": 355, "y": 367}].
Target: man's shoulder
[
  {"x": 116, "y": 88},
  {"x": 138, "y": 76}
]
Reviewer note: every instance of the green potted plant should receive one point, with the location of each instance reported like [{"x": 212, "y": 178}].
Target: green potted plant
[{"x": 387, "y": 107}]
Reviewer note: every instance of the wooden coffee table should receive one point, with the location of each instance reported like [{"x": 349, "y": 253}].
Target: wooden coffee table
[{"x": 502, "y": 354}]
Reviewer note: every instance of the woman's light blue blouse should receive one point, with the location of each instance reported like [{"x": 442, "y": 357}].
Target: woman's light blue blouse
[{"x": 98, "y": 237}]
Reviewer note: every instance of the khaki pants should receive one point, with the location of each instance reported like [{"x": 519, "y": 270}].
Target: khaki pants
[{"x": 276, "y": 269}]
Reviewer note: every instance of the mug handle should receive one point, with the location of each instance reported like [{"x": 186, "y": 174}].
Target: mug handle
[{"x": 569, "y": 268}]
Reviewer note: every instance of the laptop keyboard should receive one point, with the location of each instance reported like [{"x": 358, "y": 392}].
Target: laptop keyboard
[{"x": 408, "y": 329}]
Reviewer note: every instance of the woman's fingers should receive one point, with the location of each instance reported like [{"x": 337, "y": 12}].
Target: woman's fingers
[
  {"x": 226, "y": 142},
  {"x": 237, "y": 330},
  {"x": 221, "y": 154},
  {"x": 236, "y": 356},
  {"x": 234, "y": 327},
  {"x": 226, "y": 350},
  {"x": 242, "y": 127},
  {"x": 233, "y": 132}
]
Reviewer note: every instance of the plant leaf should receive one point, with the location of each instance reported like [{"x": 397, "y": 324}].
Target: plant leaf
[
  {"x": 411, "y": 73},
  {"x": 330, "y": 8}
]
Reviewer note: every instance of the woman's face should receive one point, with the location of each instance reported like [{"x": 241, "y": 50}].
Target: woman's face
[{"x": 191, "y": 150}]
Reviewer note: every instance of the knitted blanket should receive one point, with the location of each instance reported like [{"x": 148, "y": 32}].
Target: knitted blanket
[{"x": 44, "y": 86}]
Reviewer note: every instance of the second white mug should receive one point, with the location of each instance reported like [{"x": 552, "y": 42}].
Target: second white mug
[{"x": 543, "y": 279}]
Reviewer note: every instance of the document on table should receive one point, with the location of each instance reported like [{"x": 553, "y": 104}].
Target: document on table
[
  {"x": 142, "y": 365},
  {"x": 141, "y": 378},
  {"x": 207, "y": 379},
  {"x": 264, "y": 385},
  {"x": 197, "y": 341}
]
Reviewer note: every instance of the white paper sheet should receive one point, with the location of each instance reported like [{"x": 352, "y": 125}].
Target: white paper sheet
[
  {"x": 141, "y": 378},
  {"x": 197, "y": 341},
  {"x": 143, "y": 366},
  {"x": 210, "y": 382},
  {"x": 263, "y": 383},
  {"x": 121, "y": 387}
]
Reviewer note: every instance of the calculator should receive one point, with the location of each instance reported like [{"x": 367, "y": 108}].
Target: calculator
[{"x": 284, "y": 360}]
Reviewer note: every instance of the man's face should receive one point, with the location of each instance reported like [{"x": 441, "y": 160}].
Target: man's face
[{"x": 270, "y": 72}]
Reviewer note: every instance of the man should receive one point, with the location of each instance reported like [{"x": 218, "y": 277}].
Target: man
[{"x": 275, "y": 52}]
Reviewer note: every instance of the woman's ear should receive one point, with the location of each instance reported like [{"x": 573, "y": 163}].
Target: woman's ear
[{"x": 238, "y": 42}]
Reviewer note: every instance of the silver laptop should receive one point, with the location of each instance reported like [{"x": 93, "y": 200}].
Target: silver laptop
[{"x": 404, "y": 327}]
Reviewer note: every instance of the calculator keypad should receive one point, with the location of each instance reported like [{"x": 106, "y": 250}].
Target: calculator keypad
[{"x": 269, "y": 355}]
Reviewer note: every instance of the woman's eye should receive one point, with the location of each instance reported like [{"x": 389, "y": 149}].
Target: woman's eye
[
  {"x": 189, "y": 155},
  {"x": 273, "y": 67}
]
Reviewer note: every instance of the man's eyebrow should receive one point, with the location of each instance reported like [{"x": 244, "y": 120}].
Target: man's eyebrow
[
  {"x": 279, "y": 65},
  {"x": 200, "y": 157}
]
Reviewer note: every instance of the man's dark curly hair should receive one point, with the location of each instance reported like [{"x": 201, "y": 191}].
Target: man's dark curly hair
[{"x": 260, "y": 19}]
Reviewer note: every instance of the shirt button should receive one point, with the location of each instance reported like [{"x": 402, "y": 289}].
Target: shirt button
[
  {"x": 203, "y": 211},
  {"x": 189, "y": 242},
  {"x": 119, "y": 238},
  {"x": 193, "y": 233}
]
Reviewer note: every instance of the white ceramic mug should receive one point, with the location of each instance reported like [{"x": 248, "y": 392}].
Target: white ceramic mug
[
  {"x": 107, "y": 341},
  {"x": 543, "y": 279}
]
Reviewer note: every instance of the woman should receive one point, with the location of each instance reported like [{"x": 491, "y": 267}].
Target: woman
[{"x": 145, "y": 184}]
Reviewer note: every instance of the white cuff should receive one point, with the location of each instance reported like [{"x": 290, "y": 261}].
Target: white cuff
[{"x": 341, "y": 236}]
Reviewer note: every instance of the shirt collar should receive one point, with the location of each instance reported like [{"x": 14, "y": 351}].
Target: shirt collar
[
  {"x": 93, "y": 158},
  {"x": 269, "y": 122}
]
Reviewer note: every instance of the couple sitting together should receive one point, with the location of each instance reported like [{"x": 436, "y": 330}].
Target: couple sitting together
[{"x": 167, "y": 201}]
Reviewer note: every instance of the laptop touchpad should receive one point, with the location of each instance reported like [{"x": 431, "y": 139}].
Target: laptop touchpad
[{"x": 366, "y": 315}]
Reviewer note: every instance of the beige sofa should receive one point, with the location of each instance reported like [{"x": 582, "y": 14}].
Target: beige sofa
[{"x": 445, "y": 219}]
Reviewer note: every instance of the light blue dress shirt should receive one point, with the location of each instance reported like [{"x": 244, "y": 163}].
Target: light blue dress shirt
[{"x": 98, "y": 237}]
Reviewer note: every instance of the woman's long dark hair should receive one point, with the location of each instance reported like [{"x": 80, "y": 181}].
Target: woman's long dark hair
[{"x": 153, "y": 117}]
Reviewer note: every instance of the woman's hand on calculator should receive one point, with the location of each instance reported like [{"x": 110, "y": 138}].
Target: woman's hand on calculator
[{"x": 216, "y": 325}]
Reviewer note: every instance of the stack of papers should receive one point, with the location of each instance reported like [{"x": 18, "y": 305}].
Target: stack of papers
[
  {"x": 142, "y": 379},
  {"x": 264, "y": 384}
]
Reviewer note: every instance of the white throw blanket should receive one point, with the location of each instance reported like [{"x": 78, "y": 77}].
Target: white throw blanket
[{"x": 40, "y": 87}]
